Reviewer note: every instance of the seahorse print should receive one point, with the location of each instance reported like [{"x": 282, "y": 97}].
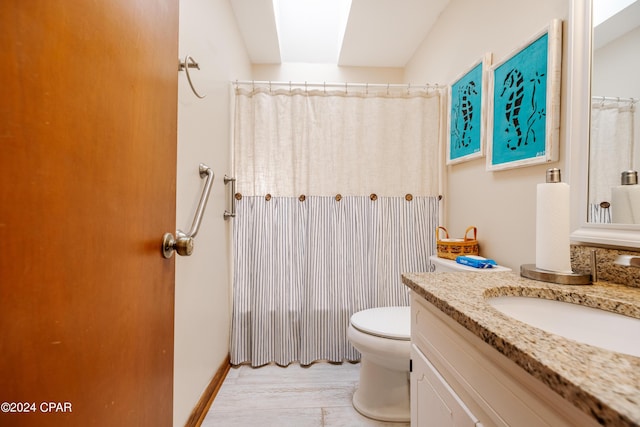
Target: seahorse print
[
  {"x": 513, "y": 89},
  {"x": 464, "y": 119},
  {"x": 536, "y": 112}
]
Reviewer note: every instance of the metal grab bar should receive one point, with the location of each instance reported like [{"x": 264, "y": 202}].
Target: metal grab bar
[
  {"x": 205, "y": 172},
  {"x": 232, "y": 214},
  {"x": 183, "y": 242}
]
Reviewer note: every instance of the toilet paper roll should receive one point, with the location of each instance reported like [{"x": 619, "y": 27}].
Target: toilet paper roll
[
  {"x": 553, "y": 227},
  {"x": 625, "y": 204}
]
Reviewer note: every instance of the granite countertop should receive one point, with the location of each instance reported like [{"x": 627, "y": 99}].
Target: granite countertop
[{"x": 602, "y": 383}]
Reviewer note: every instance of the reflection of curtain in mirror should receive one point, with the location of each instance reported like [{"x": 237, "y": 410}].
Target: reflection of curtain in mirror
[{"x": 611, "y": 151}]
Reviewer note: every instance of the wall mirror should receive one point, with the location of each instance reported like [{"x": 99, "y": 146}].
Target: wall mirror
[
  {"x": 615, "y": 91},
  {"x": 600, "y": 41}
]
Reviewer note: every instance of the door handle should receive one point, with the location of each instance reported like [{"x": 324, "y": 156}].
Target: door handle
[{"x": 183, "y": 242}]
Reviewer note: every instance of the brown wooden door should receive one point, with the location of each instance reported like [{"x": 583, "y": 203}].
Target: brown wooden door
[{"x": 88, "y": 111}]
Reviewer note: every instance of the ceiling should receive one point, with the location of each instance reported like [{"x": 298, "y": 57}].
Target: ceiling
[
  {"x": 616, "y": 22},
  {"x": 379, "y": 33}
]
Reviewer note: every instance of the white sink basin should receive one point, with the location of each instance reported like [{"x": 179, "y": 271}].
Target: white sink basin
[{"x": 588, "y": 325}]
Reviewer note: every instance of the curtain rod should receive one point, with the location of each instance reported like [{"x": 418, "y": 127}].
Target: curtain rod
[
  {"x": 345, "y": 85},
  {"x": 615, "y": 99}
]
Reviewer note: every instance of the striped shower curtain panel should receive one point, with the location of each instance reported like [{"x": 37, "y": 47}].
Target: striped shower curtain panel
[{"x": 303, "y": 267}]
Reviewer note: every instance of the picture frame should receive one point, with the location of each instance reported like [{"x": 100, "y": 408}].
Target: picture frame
[
  {"x": 466, "y": 116},
  {"x": 523, "y": 123}
]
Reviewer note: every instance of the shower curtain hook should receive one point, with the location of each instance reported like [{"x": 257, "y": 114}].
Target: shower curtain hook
[
  {"x": 366, "y": 89},
  {"x": 346, "y": 90},
  {"x": 324, "y": 87},
  {"x": 270, "y": 86},
  {"x": 408, "y": 88},
  {"x": 289, "y": 86},
  {"x": 387, "y": 88},
  {"x": 305, "y": 86}
]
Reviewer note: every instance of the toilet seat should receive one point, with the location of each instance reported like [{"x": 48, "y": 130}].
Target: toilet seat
[{"x": 385, "y": 322}]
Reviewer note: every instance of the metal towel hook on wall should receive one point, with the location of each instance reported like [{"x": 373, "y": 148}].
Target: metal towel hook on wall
[
  {"x": 183, "y": 242},
  {"x": 189, "y": 62}
]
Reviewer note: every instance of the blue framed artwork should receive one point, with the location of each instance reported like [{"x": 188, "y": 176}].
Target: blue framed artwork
[
  {"x": 467, "y": 113},
  {"x": 524, "y": 106}
]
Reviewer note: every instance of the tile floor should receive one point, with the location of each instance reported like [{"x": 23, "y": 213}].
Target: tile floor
[{"x": 318, "y": 395}]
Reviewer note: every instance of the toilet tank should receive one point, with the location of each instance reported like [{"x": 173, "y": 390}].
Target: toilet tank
[{"x": 449, "y": 265}]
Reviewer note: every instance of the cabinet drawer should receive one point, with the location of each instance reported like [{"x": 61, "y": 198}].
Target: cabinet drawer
[{"x": 433, "y": 402}]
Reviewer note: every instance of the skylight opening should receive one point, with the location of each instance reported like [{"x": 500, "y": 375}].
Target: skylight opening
[
  {"x": 605, "y": 9},
  {"x": 311, "y": 31}
]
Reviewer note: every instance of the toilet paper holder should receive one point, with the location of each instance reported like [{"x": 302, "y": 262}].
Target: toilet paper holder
[{"x": 553, "y": 201}]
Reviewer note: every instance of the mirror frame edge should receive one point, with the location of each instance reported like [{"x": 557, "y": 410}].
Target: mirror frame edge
[{"x": 578, "y": 134}]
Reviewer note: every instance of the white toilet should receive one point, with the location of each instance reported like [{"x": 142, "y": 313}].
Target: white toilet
[{"x": 382, "y": 336}]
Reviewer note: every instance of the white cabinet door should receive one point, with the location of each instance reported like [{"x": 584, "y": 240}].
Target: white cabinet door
[{"x": 433, "y": 401}]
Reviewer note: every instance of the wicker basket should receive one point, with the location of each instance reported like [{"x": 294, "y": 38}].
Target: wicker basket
[{"x": 452, "y": 248}]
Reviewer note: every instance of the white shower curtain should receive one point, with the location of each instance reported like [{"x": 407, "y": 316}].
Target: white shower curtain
[
  {"x": 337, "y": 197},
  {"x": 611, "y": 151},
  {"x": 292, "y": 142}
]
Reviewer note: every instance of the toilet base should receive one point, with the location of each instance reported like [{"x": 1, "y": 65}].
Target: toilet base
[{"x": 382, "y": 394}]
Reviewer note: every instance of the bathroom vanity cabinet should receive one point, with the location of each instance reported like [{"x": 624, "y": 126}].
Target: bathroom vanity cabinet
[{"x": 459, "y": 380}]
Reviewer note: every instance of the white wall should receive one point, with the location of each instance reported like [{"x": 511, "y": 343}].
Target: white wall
[
  {"x": 202, "y": 310},
  {"x": 318, "y": 73},
  {"x": 501, "y": 204},
  {"x": 616, "y": 71},
  {"x": 616, "y": 67}
]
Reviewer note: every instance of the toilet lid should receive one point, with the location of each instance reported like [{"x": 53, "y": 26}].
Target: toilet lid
[{"x": 386, "y": 322}]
